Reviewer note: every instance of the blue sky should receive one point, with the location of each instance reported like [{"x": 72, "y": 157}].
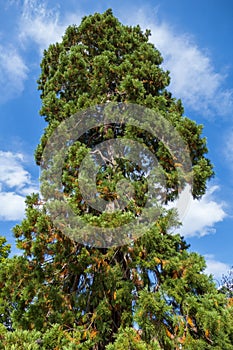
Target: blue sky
[{"x": 195, "y": 39}]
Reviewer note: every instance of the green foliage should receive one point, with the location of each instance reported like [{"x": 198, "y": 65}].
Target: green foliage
[
  {"x": 4, "y": 249},
  {"x": 54, "y": 338},
  {"x": 18, "y": 340},
  {"x": 69, "y": 295},
  {"x": 130, "y": 339}
]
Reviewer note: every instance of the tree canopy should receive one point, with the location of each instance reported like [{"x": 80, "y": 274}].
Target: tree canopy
[{"x": 149, "y": 294}]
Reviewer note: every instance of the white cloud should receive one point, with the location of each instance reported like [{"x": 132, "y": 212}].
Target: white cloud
[
  {"x": 11, "y": 206},
  {"x": 215, "y": 267},
  {"x": 15, "y": 184},
  {"x": 12, "y": 173},
  {"x": 202, "y": 215},
  {"x": 193, "y": 76},
  {"x": 13, "y": 73},
  {"x": 42, "y": 25}
]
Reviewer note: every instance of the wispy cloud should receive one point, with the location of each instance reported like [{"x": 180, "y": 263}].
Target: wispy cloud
[
  {"x": 194, "y": 78},
  {"x": 39, "y": 26},
  {"x": 228, "y": 148},
  {"x": 202, "y": 215},
  {"x": 215, "y": 267},
  {"x": 43, "y": 25},
  {"x": 13, "y": 73},
  {"x": 15, "y": 184}
]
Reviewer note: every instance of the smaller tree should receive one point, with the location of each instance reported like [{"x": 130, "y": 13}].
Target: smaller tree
[
  {"x": 4, "y": 253},
  {"x": 227, "y": 284}
]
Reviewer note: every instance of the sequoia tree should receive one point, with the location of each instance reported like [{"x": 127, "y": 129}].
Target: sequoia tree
[{"x": 150, "y": 293}]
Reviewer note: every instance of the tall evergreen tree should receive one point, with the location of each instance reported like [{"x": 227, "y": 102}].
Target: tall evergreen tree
[{"x": 151, "y": 293}]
